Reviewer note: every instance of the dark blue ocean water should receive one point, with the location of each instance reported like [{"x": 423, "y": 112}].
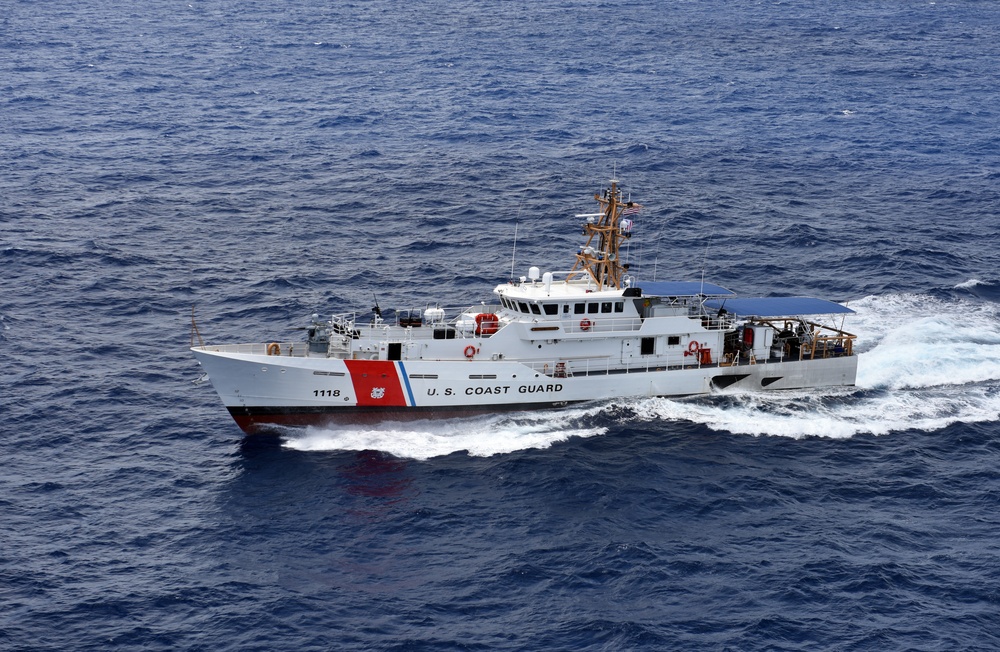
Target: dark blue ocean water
[{"x": 266, "y": 160}]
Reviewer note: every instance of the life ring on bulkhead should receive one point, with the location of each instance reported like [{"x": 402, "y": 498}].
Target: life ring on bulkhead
[
  {"x": 470, "y": 351},
  {"x": 693, "y": 348},
  {"x": 274, "y": 348},
  {"x": 585, "y": 324}
]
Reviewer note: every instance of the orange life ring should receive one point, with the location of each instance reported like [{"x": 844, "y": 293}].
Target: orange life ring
[
  {"x": 585, "y": 324},
  {"x": 470, "y": 351},
  {"x": 274, "y": 348},
  {"x": 693, "y": 348}
]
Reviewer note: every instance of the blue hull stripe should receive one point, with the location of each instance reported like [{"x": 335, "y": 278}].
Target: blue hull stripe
[{"x": 406, "y": 383}]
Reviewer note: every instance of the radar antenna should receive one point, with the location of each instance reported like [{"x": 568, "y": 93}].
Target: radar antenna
[{"x": 599, "y": 257}]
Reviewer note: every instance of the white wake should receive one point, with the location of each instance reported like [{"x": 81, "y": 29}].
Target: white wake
[
  {"x": 924, "y": 364},
  {"x": 478, "y": 436}
]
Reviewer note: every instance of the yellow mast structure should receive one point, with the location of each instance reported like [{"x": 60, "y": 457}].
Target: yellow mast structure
[{"x": 601, "y": 259}]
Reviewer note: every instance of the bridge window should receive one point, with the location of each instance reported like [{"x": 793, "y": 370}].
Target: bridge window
[
  {"x": 535, "y": 309},
  {"x": 524, "y": 307},
  {"x": 606, "y": 306},
  {"x": 592, "y": 308},
  {"x": 619, "y": 306},
  {"x": 551, "y": 308},
  {"x": 579, "y": 308}
]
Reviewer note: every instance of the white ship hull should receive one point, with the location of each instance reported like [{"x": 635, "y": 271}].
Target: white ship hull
[{"x": 261, "y": 390}]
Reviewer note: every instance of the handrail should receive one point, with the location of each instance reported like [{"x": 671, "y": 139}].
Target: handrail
[{"x": 286, "y": 349}]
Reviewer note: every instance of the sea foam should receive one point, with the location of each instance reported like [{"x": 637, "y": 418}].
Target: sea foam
[{"x": 924, "y": 364}]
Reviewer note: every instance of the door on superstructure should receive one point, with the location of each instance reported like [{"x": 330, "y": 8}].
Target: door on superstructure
[{"x": 630, "y": 350}]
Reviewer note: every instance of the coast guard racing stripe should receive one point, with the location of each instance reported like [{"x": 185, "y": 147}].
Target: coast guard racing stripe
[{"x": 376, "y": 383}]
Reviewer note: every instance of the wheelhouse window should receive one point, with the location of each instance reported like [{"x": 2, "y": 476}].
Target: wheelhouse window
[
  {"x": 592, "y": 308},
  {"x": 579, "y": 308},
  {"x": 606, "y": 306},
  {"x": 619, "y": 306},
  {"x": 524, "y": 307},
  {"x": 551, "y": 308},
  {"x": 535, "y": 309}
]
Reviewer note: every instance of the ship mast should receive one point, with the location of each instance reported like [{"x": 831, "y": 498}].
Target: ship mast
[{"x": 600, "y": 259}]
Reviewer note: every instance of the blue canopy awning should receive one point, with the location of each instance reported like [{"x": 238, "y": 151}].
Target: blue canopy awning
[
  {"x": 777, "y": 306},
  {"x": 683, "y": 289}
]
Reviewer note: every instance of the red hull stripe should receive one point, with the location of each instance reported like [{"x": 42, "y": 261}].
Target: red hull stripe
[{"x": 376, "y": 383}]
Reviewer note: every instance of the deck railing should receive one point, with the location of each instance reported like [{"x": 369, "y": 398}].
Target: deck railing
[
  {"x": 819, "y": 342},
  {"x": 587, "y": 323},
  {"x": 274, "y": 349}
]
